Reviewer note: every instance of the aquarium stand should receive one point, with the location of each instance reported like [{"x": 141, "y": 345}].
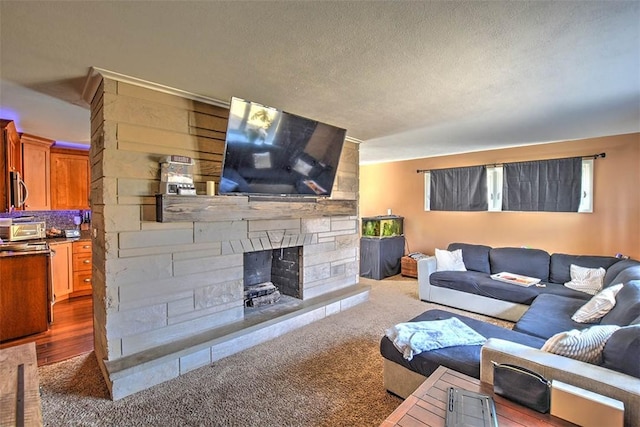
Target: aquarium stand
[{"x": 380, "y": 258}]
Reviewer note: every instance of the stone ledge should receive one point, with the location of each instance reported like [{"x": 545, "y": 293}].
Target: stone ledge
[
  {"x": 141, "y": 367},
  {"x": 171, "y": 208}
]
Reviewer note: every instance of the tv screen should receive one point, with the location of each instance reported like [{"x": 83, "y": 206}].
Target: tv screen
[{"x": 272, "y": 152}]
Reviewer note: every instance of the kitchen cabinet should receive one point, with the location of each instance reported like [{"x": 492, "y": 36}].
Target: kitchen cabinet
[
  {"x": 82, "y": 268},
  {"x": 10, "y": 160},
  {"x": 62, "y": 270},
  {"x": 35, "y": 171},
  {"x": 24, "y": 295},
  {"x": 70, "y": 179}
]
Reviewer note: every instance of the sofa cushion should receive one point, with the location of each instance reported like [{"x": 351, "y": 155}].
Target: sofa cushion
[
  {"x": 586, "y": 345},
  {"x": 476, "y": 257},
  {"x": 560, "y": 264},
  {"x": 622, "y": 271},
  {"x": 476, "y": 283},
  {"x": 548, "y": 315},
  {"x": 627, "y": 307},
  {"x": 464, "y": 358},
  {"x": 562, "y": 290},
  {"x": 528, "y": 262},
  {"x": 622, "y": 350}
]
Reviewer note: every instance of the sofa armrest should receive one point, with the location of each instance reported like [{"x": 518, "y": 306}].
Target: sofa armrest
[
  {"x": 426, "y": 266},
  {"x": 597, "y": 379}
]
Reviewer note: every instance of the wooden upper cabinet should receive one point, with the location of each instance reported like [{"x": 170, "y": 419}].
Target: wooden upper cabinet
[
  {"x": 70, "y": 179},
  {"x": 14, "y": 153},
  {"x": 35, "y": 171},
  {"x": 10, "y": 160}
]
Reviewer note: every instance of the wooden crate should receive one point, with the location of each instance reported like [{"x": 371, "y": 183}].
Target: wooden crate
[{"x": 409, "y": 267}]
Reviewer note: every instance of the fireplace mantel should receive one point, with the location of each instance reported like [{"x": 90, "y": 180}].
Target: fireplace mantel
[{"x": 170, "y": 208}]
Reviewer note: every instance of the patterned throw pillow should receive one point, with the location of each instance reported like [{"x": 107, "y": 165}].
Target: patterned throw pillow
[
  {"x": 599, "y": 305},
  {"x": 585, "y": 345},
  {"x": 449, "y": 260},
  {"x": 587, "y": 280}
]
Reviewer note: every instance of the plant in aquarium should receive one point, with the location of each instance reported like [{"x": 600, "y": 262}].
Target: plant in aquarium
[
  {"x": 390, "y": 228},
  {"x": 371, "y": 228}
]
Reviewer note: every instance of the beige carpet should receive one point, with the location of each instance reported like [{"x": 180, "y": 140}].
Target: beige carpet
[{"x": 328, "y": 373}]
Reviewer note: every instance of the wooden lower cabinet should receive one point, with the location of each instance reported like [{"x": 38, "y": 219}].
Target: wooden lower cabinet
[
  {"x": 24, "y": 296},
  {"x": 71, "y": 269},
  {"x": 62, "y": 270},
  {"x": 81, "y": 268}
]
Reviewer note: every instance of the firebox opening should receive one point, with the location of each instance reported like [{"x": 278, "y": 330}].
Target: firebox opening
[{"x": 270, "y": 274}]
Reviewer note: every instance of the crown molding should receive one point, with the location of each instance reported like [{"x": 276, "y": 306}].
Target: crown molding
[
  {"x": 95, "y": 76},
  {"x": 352, "y": 139}
]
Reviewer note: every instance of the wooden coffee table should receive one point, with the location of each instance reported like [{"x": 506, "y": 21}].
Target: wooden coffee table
[
  {"x": 19, "y": 389},
  {"x": 426, "y": 406}
]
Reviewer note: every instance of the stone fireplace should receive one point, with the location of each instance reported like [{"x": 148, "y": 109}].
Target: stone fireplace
[
  {"x": 271, "y": 274},
  {"x": 168, "y": 279}
]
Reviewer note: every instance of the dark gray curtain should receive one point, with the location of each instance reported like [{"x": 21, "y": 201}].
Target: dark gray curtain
[
  {"x": 545, "y": 185},
  {"x": 459, "y": 189}
]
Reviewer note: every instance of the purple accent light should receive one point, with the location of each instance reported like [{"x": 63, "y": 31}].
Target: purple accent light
[
  {"x": 9, "y": 114},
  {"x": 72, "y": 145}
]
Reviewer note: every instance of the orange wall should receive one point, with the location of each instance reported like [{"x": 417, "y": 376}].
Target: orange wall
[{"x": 613, "y": 227}]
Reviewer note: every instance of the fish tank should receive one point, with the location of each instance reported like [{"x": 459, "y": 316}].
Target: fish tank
[{"x": 379, "y": 227}]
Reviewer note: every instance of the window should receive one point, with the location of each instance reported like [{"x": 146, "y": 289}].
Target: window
[
  {"x": 494, "y": 187},
  {"x": 586, "y": 197},
  {"x": 427, "y": 191},
  {"x": 458, "y": 189},
  {"x": 543, "y": 185},
  {"x": 495, "y": 178}
]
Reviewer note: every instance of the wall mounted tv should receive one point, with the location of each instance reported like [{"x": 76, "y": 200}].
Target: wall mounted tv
[{"x": 272, "y": 152}]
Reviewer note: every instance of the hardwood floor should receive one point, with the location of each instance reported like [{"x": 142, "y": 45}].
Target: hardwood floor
[{"x": 70, "y": 334}]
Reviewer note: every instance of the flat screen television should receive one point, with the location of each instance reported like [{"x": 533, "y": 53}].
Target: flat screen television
[{"x": 273, "y": 152}]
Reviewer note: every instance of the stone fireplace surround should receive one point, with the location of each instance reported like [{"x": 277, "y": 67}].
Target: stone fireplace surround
[
  {"x": 328, "y": 286},
  {"x": 167, "y": 284}
]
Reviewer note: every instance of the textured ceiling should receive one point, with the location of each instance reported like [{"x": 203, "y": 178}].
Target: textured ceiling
[{"x": 408, "y": 79}]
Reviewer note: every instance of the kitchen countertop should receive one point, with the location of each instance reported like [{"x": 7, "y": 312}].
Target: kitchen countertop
[
  {"x": 58, "y": 240},
  {"x": 84, "y": 236},
  {"x": 6, "y": 254}
]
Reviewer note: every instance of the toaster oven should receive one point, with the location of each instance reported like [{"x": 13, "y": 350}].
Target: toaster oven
[{"x": 23, "y": 231}]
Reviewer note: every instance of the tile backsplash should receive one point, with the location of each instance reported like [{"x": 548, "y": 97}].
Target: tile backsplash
[{"x": 62, "y": 220}]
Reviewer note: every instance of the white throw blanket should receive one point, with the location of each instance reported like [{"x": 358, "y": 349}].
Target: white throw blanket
[{"x": 413, "y": 338}]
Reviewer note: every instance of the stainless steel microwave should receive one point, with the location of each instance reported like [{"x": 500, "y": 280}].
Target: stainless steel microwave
[{"x": 19, "y": 192}]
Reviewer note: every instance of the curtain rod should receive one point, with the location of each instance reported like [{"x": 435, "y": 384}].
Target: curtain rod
[{"x": 592, "y": 156}]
